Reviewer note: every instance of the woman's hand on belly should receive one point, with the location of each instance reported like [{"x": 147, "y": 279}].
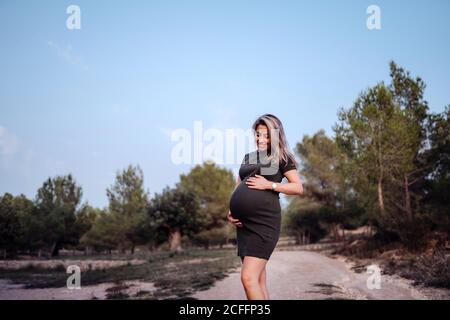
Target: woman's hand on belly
[
  {"x": 234, "y": 221},
  {"x": 258, "y": 182}
]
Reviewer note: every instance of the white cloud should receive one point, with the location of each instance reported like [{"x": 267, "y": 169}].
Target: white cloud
[
  {"x": 9, "y": 143},
  {"x": 67, "y": 54}
]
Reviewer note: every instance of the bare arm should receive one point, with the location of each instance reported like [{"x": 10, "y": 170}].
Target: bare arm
[{"x": 293, "y": 187}]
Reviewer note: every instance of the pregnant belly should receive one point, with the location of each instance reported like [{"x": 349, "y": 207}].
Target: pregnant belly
[{"x": 247, "y": 203}]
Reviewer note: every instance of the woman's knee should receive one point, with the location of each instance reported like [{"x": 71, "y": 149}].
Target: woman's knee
[{"x": 249, "y": 278}]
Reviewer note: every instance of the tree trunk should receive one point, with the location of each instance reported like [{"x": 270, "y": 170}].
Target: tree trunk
[
  {"x": 380, "y": 175},
  {"x": 407, "y": 198},
  {"x": 55, "y": 249},
  {"x": 334, "y": 227},
  {"x": 175, "y": 240},
  {"x": 132, "y": 248},
  {"x": 380, "y": 197}
]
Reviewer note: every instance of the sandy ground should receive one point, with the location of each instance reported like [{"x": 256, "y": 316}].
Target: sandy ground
[
  {"x": 297, "y": 275},
  {"x": 292, "y": 275},
  {"x": 83, "y": 264},
  {"x": 10, "y": 291}
]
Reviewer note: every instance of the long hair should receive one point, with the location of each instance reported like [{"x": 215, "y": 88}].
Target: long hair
[{"x": 281, "y": 150}]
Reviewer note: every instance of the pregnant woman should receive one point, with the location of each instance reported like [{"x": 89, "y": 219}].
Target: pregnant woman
[{"x": 254, "y": 205}]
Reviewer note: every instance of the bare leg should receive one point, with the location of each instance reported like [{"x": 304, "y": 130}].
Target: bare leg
[
  {"x": 250, "y": 274},
  {"x": 263, "y": 284}
]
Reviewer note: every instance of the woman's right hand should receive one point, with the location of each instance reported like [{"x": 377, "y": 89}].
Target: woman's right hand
[{"x": 234, "y": 221}]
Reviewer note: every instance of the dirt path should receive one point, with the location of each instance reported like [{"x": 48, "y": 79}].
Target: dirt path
[
  {"x": 296, "y": 275},
  {"x": 292, "y": 275}
]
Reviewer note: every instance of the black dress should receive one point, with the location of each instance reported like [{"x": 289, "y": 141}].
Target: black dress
[{"x": 258, "y": 210}]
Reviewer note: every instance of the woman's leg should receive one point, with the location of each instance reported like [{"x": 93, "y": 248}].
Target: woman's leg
[
  {"x": 250, "y": 275},
  {"x": 263, "y": 284}
]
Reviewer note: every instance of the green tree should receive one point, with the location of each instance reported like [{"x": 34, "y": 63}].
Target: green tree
[
  {"x": 375, "y": 137},
  {"x": 386, "y": 137},
  {"x": 128, "y": 203},
  {"x": 57, "y": 201},
  {"x": 213, "y": 186},
  {"x": 215, "y": 236},
  {"x": 302, "y": 221},
  {"x": 10, "y": 229},
  {"x": 438, "y": 181},
  {"x": 31, "y": 228},
  {"x": 103, "y": 233},
  {"x": 177, "y": 212},
  {"x": 325, "y": 179},
  {"x": 408, "y": 93}
]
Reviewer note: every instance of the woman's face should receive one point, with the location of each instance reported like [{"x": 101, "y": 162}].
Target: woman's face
[{"x": 262, "y": 137}]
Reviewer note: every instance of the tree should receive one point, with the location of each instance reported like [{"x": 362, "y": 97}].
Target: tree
[
  {"x": 104, "y": 232},
  {"x": 437, "y": 182},
  {"x": 323, "y": 168},
  {"x": 215, "y": 236},
  {"x": 10, "y": 229},
  {"x": 86, "y": 217},
  {"x": 408, "y": 93},
  {"x": 364, "y": 135},
  {"x": 177, "y": 212},
  {"x": 32, "y": 221},
  {"x": 128, "y": 203},
  {"x": 213, "y": 186},
  {"x": 302, "y": 220},
  {"x": 57, "y": 201},
  {"x": 393, "y": 148},
  {"x": 375, "y": 136}
]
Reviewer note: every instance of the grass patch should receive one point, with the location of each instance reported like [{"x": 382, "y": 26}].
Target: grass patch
[
  {"x": 326, "y": 289},
  {"x": 432, "y": 270},
  {"x": 174, "y": 274}
]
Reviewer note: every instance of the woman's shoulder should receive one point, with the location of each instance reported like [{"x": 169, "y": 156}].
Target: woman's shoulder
[{"x": 288, "y": 164}]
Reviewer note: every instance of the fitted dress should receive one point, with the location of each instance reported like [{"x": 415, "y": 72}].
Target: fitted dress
[{"x": 258, "y": 210}]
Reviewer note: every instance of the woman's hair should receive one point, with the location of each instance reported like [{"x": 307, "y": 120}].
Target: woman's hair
[{"x": 280, "y": 143}]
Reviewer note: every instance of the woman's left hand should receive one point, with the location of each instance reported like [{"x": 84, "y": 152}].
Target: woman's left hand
[{"x": 258, "y": 182}]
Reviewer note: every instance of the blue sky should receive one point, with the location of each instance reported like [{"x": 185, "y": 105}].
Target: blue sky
[{"x": 91, "y": 101}]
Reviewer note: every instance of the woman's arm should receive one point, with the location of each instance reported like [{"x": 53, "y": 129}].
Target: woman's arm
[{"x": 293, "y": 187}]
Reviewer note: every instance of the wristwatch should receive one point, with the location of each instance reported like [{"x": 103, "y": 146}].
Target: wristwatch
[{"x": 274, "y": 186}]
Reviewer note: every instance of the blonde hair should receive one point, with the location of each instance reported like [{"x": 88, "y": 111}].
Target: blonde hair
[{"x": 274, "y": 125}]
